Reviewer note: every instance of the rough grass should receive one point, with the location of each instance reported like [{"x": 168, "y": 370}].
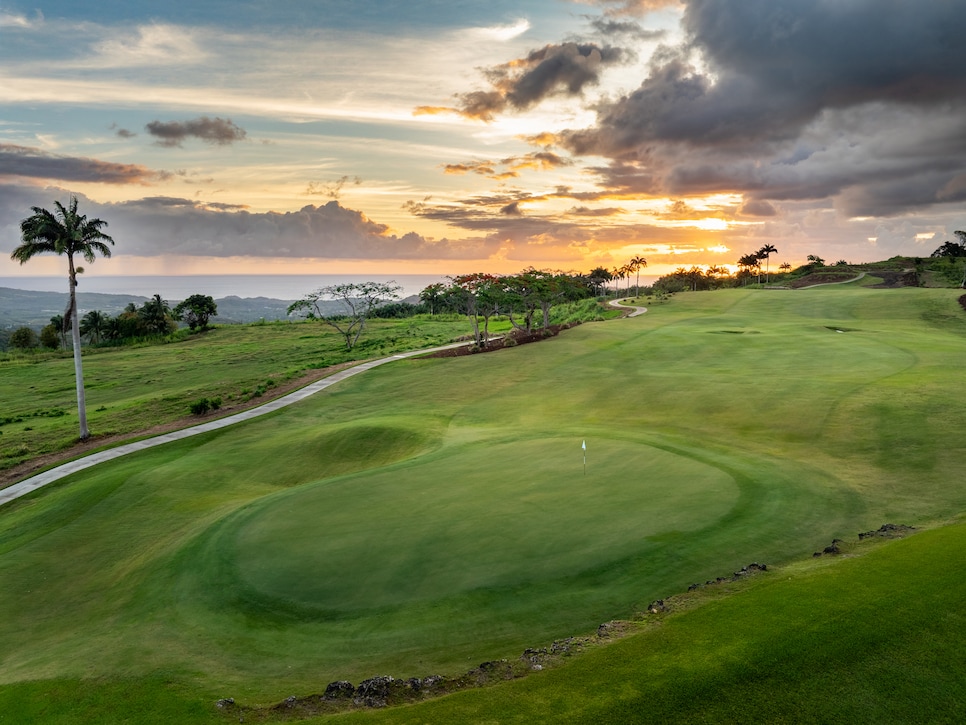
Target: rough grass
[
  {"x": 133, "y": 388},
  {"x": 433, "y": 514}
]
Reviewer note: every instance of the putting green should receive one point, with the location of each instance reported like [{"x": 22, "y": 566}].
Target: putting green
[{"x": 488, "y": 515}]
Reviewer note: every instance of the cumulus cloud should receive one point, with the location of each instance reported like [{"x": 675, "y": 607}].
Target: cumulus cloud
[
  {"x": 214, "y": 131},
  {"x": 564, "y": 69},
  {"x": 783, "y": 99},
  {"x": 180, "y": 226},
  {"x": 24, "y": 161}
]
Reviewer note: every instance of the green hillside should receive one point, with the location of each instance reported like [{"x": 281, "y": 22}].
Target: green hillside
[{"x": 434, "y": 514}]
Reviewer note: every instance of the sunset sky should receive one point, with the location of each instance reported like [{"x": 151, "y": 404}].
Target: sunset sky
[{"x": 452, "y": 136}]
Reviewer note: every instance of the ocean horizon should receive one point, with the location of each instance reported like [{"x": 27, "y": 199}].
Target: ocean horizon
[{"x": 178, "y": 287}]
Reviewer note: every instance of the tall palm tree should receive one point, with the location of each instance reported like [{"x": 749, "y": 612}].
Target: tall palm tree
[
  {"x": 764, "y": 253},
  {"x": 617, "y": 275},
  {"x": 64, "y": 231},
  {"x": 637, "y": 263}
]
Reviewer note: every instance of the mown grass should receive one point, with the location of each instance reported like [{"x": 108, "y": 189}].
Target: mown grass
[
  {"x": 133, "y": 388},
  {"x": 433, "y": 514},
  {"x": 877, "y": 638}
]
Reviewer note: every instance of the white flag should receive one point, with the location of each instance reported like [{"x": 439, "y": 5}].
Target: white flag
[{"x": 584, "y": 445}]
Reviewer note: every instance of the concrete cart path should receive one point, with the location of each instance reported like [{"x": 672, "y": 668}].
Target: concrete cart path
[
  {"x": 621, "y": 306},
  {"x": 27, "y": 485}
]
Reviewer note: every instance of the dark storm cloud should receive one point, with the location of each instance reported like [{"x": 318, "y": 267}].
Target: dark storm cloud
[
  {"x": 215, "y": 131},
  {"x": 608, "y": 27},
  {"x": 29, "y": 162},
  {"x": 157, "y": 226},
  {"x": 564, "y": 69},
  {"x": 161, "y": 225},
  {"x": 785, "y": 99},
  {"x": 759, "y": 208}
]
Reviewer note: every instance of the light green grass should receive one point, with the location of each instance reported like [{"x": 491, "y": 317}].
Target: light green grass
[{"x": 433, "y": 514}]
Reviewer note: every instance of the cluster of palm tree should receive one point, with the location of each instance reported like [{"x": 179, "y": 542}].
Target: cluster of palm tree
[
  {"x": 751, "y": 263},
  {"x": 151, "y": 319},
  {"x": 695, "y": 279},
  {"x": 635, "y": 265}
]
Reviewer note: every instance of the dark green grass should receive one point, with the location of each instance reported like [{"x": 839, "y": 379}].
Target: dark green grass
[
  {"x": 871, "y": 639},
  {"x": 433, "y": 514}
]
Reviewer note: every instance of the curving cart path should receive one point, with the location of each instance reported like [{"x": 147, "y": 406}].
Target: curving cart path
[
  {"x": 636, "y": 310},
  {"x": 21, "y": 488}
]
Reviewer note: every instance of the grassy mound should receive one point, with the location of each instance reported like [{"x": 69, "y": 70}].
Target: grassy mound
[{"x": 433, "y": 514}]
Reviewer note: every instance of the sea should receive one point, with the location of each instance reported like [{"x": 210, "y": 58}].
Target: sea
[{"x": 274, "y": 286}]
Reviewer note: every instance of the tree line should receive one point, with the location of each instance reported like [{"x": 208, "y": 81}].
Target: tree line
[
  {"x": 525, "y": 299},
  {"x": 154, "y": 318}
]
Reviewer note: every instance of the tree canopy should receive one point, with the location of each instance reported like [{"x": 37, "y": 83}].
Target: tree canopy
[{"x": 356, "y": 300}]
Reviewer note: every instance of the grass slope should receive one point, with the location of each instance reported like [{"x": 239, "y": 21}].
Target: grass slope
[
  {"x": 871, "y": 639},
  {"x": 433, "y": 514},
  {"x": 130, "y": 389}
]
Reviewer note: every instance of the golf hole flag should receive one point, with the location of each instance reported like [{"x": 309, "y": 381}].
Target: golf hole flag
[{"x": 583, "y": 445}]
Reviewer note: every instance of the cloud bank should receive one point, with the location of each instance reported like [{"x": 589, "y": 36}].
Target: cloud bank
[
  {"x": 23, "y": 161},
  {"x": 787, "y": 100}
]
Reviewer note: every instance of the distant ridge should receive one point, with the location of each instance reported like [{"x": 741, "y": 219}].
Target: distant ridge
[{"x": 34, "y": 309}]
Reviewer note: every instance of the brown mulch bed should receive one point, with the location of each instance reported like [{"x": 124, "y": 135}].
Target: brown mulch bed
[
  {"x": 821, "y": 278},
  {"x": 518, "y": 337},
  {"x": 962, "y": 302}
]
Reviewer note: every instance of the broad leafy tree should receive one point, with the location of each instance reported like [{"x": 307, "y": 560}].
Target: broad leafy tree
[
  {"x": 433, "y": 296},
  {"x": 196, "y": 310},
  {"x": 23, "y": 338},
  {"x": 356, "y": 302},
  {"x": 952, "y": 249},
  {"x": 598, "y": 278},
  {"x": 50, "y": 337},
  {"x": 65, "y": 231}
]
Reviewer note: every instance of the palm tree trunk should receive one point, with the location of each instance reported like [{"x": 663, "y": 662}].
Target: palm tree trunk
[{"x": 78, "y": 369}]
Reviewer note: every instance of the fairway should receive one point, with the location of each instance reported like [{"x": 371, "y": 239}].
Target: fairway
[{"x": 433, "y": 514}]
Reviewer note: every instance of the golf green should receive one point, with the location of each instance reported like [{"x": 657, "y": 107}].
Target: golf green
[{"x": 482, "y": 516}]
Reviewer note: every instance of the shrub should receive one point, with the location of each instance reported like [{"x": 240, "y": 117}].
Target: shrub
[{"x": 203, "y": 405}]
